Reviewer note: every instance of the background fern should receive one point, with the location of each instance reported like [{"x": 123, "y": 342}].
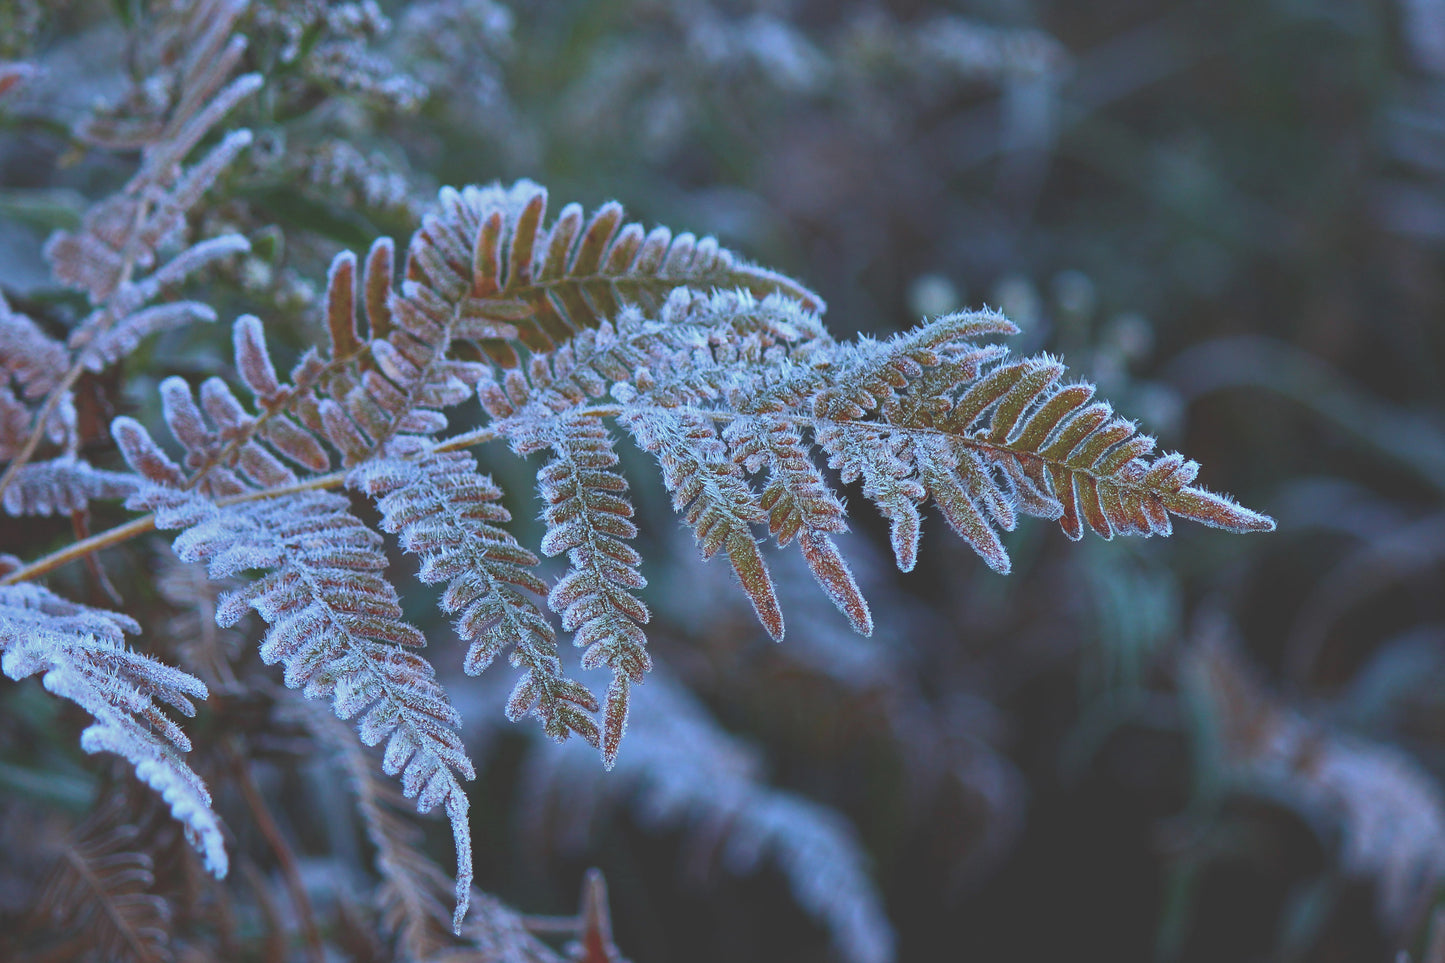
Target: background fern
[{"x": 224, "y": 222}]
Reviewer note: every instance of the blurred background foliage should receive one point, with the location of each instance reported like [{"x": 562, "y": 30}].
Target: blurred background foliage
[{"x": 1230, "y": 214}]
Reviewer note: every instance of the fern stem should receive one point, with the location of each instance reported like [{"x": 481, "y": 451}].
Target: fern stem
[
  {"x": 477, "y": 436},
  {"x": 82, "y": 548},
  {"x": 147, "y": 523}
]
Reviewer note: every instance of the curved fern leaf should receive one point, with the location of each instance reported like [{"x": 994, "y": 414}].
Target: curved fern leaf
[
  {"x": 486, "y": 252},
  {"x": 335, "y": 624},
  {"x": 711, "y": 494},
  {"x": 800, "y": 503},
  {"x": 986, "y": 437}
]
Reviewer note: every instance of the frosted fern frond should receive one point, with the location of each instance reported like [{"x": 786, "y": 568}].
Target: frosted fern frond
[
  {"x": 392, "y": 376},
  {"x": 183, "y": 59},
  {"x": 699, "y": 346},
  {"x": 125, "y": 231},
  {"x": 589, "y": 517},
  {"x": 931, "y": 414},
  {"x": 487, "y": 252},
  {"x": 61, "y": 486},
  {"x": 800, "y": 503},
  {"x": 83, "y": 656},
  {"x": 335, "y": 623},
  {"x": 374, "y": 383},
  {"x": 740, "y": 395},
  {"x": 682, "y": 770},
  {"x": 444, "y": 511}
]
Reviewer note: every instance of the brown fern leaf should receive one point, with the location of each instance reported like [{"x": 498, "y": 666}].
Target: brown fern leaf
[
  {"x": 371, "y": 386},
  {"x": 987, "y": 438},
  {"x": 487, "y": 253},
  {"x": 99, "y": 893},
  {"x": 447, "y": 513}
]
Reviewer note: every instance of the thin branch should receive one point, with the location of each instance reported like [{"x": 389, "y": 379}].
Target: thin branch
[{"x": 147, "y": 523}]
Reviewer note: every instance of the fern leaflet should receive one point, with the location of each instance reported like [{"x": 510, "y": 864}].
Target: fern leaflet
[{"x": 83, "y": 656}]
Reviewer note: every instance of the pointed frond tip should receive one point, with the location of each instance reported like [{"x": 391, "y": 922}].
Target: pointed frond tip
[{"x": 1216, "y": 511}]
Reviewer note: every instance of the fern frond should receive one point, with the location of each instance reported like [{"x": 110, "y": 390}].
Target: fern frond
[
  {"x": 699, "y": 347},
  {"x": 589, "y": 517},
  {"x": 447, "y": 513},
  {"x": 83, "y": 656},
  {"x": 61, "y": 486},
  {"x": 335, "y": 624},
  {"x": 100, "y": 890},
  {"x": 125, "y": 231},
  {"x": 368, "y": 390},
  {"x": 986, "y": 437},
  {"x": 926, "y": 415},
  {"x": 486, "y": 252}
]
